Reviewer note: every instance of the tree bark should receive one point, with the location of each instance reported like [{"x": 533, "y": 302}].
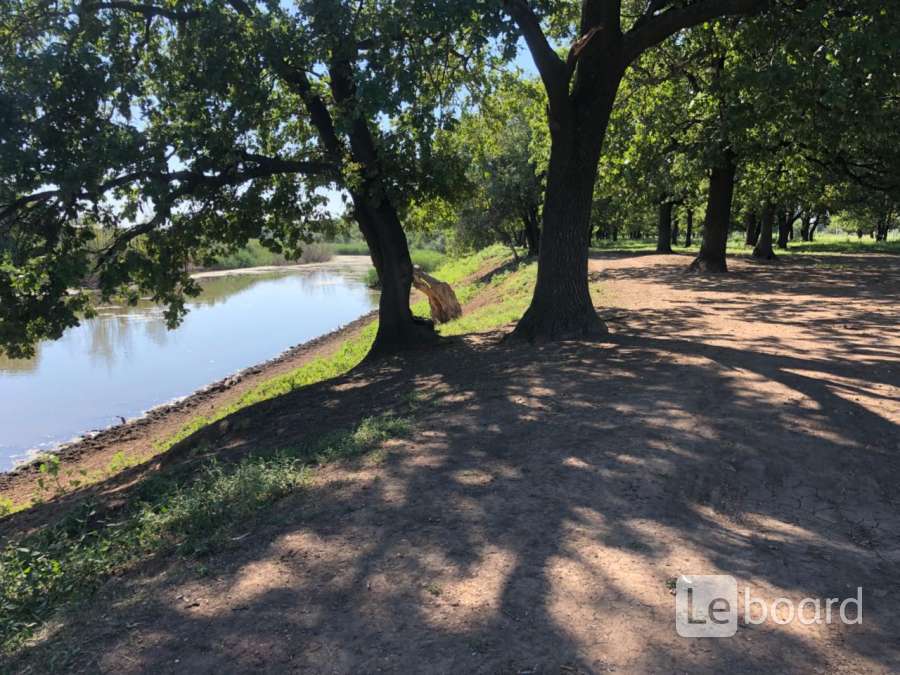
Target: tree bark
[
  {"x": 689, "y": 228},
  {"x": 379, "y": 222},
  {"x": 751, "y": 223},
  {"x": 718, "y": 216},
  {"x": 884, "y": 222},
  {"x": 763, "y": 249},
  {"x": 783, "y": 228},
  {"x": 664, "y": 228},
  {"x": 561, "y": 305},
  {"x": 805, "y": 223},
  {"x": 581, "y": 90},
  {"x": 675, "y": 231},
  {"x": 532, "y": 232}
]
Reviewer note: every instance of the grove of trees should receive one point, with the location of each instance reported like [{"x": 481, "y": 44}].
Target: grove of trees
[{"x": 182, "y": 129}]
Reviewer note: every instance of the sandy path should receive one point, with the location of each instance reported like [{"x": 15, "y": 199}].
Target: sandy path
[{"x": 743, "y": 425}]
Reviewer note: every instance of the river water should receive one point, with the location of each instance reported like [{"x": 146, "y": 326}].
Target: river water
[{"x": 124, "y": 361}]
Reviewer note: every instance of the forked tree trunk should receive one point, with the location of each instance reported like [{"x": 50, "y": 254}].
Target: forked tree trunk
[
  {"x": 689, "y": 228},
  {"x": 718, "y": 216},
  {"x": 377, "y": 217},
  {"x": 664, "y": 228},
  {"x": 763, "y": 249},
  {"x": 884, "y": 223}
]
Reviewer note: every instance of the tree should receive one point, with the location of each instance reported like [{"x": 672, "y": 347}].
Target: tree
[
  {"x": 498, "y": 148},
  {"x": 581, "y": 91},
  {"x": 185, "y": 128}
]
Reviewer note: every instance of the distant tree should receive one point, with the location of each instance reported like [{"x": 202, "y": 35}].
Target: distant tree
[{"x": 499, "y": 147}]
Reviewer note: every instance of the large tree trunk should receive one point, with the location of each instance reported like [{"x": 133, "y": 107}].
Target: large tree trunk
[
  {"x": 884, "y": 222},
  {"x": 664, "y": 228},
  {"x": 718, "y": 216},
  {"x": 561, "y": 305},
  {"x": 380, "y": 224},
  {"x": 689, "y": 228},
  {"x": 398, "y": 329},
  {"x": 763, "y": 249}
]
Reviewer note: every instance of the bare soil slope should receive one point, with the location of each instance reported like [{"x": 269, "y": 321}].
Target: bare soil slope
[{"x": 744, "y": 424}]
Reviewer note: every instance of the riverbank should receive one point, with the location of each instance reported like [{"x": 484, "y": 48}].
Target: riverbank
[
  {"x": 495, "y": 506},
  {"x": 135, "y": 441},
  {"x": 491, "y": 302},
  {"x": 360, "y": 264}
]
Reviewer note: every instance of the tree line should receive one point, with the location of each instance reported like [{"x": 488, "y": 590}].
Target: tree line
[{"x": 194, "y": 126}]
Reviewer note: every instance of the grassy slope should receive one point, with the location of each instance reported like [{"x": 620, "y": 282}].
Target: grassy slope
[{"x": 62, "y": 564}]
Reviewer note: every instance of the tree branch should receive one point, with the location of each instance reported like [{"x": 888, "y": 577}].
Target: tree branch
[
  {"x": 264, "y": 167},
  {"x": 553, "y": 70},
  {"x": 148, "y": 10},
  {"x": 651, "y": 28}
]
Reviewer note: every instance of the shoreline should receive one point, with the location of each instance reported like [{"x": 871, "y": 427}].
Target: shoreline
[
  {"x": 360, "y": 262},
  {"x": 88, "y": 452}
]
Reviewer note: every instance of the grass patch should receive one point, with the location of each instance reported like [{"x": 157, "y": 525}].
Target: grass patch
[
  {"x": 511, "y": 292},
  {"x": 348, "y": 355},
  {"x": 62, "y": 564}
]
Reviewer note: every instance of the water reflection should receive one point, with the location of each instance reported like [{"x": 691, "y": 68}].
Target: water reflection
[{"x": 125, "y": 361}]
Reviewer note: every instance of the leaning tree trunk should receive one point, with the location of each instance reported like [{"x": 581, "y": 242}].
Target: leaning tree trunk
[
  {"x": 664, "y": 228},
  {"x": 377, "y": 216},
  {"x": 763, "y": 249},
  {"x": 689, "y": 228},
  {"x": 561, "y": 305},
  {"x": 718, "y": 216}
]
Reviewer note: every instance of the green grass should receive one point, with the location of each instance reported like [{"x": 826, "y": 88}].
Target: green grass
[
  {"x": 427, "y": 259},
  {"x": 348, "y": 355},
  {"x": 64, "y": 563},
  {"x": 512, "y": 291}
]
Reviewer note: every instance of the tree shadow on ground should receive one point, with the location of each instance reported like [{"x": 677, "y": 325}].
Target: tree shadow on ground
[{"x": 535, "y": 519}]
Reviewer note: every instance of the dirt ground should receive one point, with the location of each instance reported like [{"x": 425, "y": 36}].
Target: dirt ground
[{"x": 535, "y": 519}]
